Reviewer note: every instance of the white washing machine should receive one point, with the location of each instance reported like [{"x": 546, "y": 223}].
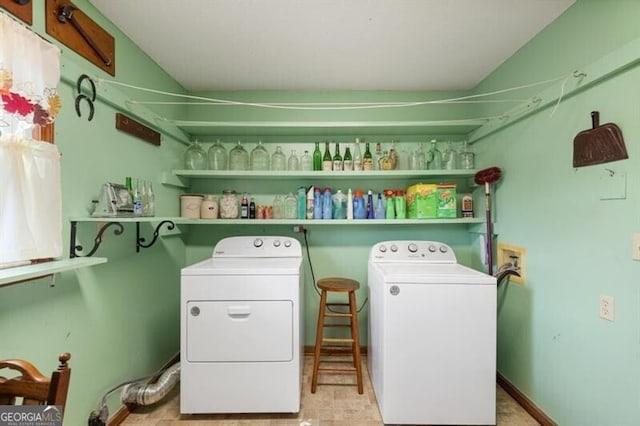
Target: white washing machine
[
  {"x": 432, "y": 336},
  {"x": 241, "y": 327}
]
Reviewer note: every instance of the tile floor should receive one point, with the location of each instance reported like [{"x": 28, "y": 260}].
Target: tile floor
[{"x": 333, "y": 404}]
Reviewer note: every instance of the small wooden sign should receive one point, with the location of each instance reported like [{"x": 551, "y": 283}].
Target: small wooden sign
[
  {"x": 132, "y": 127},
  {"x": 22, "y": 11},
  {"x": 81, "y": 34}
]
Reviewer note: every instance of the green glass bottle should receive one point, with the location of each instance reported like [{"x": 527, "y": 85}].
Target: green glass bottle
[
  {"x": 367, "y": 159},
  {"x": 347, "y": 162},
  {"x": 337, "y": 159},
  {"x": 317, "y": 158},
  {"x": 327, "y": 161}
]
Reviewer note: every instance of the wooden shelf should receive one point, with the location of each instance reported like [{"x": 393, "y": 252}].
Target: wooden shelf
[
  {"x": 329, "y": 128},
  {"x": 306, "y": 222},
  {"x": 26, "y": 272},
  {"x": 285, "y": 175}
]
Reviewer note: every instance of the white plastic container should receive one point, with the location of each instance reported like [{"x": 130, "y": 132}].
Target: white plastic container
[{"x": 190, "y": 205}]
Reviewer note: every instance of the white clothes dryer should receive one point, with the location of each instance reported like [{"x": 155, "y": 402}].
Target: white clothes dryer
[
  {"x": 432, "y": 336},
  {"x": 241, "y": 328}
]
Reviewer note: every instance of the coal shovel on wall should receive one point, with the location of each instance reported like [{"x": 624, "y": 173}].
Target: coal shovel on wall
[{"x": 600, "y": 144}]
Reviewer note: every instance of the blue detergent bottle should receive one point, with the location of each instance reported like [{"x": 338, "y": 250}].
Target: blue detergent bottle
[
  {"x": 317, "y": 203},
  {"x": 379, "y": 212},
  {"x": 370, "y": 208},
  {"x": 327, "y": 204}
]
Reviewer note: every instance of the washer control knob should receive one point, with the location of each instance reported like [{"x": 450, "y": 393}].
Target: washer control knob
[
  {"x": 394, "y": 248},
  {"x": 443, "y": 249},
  {"x": 413, "y": 248},
  {"x": 257, "y": 242},
  {"x": 383, "y": 249},
  {"x": 432, "y": 248},
  {"x": 287, "y": 243},
  {"x": 276, "y": 243}
]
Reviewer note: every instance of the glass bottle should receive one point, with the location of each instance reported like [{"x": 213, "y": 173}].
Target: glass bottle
[
  {"x": 327, "y": 161},
  {"x": 421, "y": 159},
  {"x": 217, "y": 156},
  {"x": 306, "y": 162},
  {"x": 347, "y": 163},
  {"x": 434, "y": 157},
  {"x": 377, "y": 160},
  {"x": 367, "y": 159},
  {"x": 449, "y": 158},
  {"x": 244, "y": 207},
  {"x": 195, "y": 158},
  {"x": 317, "y": 157},
  {"x": 238, "y": 158},
  {"x": 278, "y": 160},
  {"x": 466, "y": 157},
  {"x": 337, "y": 159},
  {"x": 252, "y": 208},
  {"x": 278, "y": 207},
  {"x": 259, "y": 158},
  {"x": 293, "y": 163},
  {"x": 151, "y": 201},
  {"x": 290, "y": 207},
  {"x": 357, "y": 156},
  {"x": 137, "y": 199}
]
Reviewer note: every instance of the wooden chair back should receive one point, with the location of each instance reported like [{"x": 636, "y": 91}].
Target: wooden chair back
[{"x": 31, "y": 387}]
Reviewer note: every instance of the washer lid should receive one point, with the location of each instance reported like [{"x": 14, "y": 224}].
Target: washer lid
[
  {"x": 432, "y": 273},
  {"x": 245, "y": 266}
]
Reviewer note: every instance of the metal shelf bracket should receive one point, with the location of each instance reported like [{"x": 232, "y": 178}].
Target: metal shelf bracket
[
  {"x": 74, "y": 248},
  {"x": 140, "y": 241}
]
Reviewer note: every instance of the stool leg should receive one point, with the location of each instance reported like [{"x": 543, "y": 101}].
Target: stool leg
[
  {"x": 319, "y": 335},
  {"x": 356, "y": 340}
]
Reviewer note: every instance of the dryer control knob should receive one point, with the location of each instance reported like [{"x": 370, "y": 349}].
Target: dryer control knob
[
  {"x": 443, "y": 249},
  {"x": 394, "y": 248},
  {"x": 413, "y": 248},
  {"x": 383, "y": 249},
  {"x": 432, "y": 248},
  {"x": 276, "y": 243},
  {"x": 287, "y": 243},
  {"x": 257, "y": 242}
]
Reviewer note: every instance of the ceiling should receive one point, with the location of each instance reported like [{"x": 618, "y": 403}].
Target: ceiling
[{"x": 330, "y": 44}]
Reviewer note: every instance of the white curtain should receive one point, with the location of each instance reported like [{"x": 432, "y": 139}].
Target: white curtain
[{"x": 30, "y": 199}]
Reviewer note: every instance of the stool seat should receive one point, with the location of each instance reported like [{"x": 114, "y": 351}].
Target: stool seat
[
  {"x": 338, "y": 284},
  {"x": 335, "y": 345}
]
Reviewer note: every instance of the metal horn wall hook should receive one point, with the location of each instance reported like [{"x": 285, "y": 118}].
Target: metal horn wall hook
[
  {"x": 140, "y": 241},
  {"x": 89, "y": 99}
]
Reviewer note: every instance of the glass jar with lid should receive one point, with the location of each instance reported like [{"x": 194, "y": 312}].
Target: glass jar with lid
[
  {"x": 195, "y": 158},
  {"x": 217, "y": 156},
  {"x": 259, "y": 157},
  {"x": 290, "y": 207},
  {"x": 238, "y": 158},
  {"x": 228, "y": 208}
]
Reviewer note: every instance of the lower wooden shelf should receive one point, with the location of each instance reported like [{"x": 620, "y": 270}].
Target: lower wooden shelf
[
  {"x": 21, "y": 273},
  {"x": 306, "y": 222}
]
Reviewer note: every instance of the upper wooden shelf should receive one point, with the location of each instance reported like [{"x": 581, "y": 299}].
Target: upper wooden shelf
[
  {"x": 385, "y": 174},
  {"x": 327, "y": 128}
]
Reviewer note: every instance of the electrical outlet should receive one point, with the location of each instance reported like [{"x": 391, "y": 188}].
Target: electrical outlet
[
  {"x": 298, "y": 229},
  {"x": 513, "y": 257},
  {"x": 606, "y": 307},
  {"x": 635, "y": 249}
]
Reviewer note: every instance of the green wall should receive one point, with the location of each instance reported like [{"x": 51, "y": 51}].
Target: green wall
[
  {"x": 120, "y": 320},
  {"x": 580, "y": 369}
]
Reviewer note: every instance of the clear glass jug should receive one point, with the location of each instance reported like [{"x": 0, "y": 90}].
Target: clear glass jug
[
  {"x": 238, "y": 158},
  {"x": 217, "y": 156},
  {"x": 434, "y": 157},
  {"x": 278, "y": 160},
  {"x": 290, "y": 209},
  {"x": 450, "y": 158},
  {"x": 259, "y": 157},
  {"x": 195, "y": 158},
  {"x": 293, "y": 163},
  {"x": 466, "y": 157}
]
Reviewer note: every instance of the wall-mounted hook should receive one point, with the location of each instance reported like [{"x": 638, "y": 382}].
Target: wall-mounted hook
[
  {"x": 611, "y": 172},
  {"x": 89, "y": 99}
]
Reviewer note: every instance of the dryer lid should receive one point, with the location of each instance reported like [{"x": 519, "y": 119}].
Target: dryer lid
[
  {"x": 431, "y": 273},
  {"x": 245, "y": 266}
]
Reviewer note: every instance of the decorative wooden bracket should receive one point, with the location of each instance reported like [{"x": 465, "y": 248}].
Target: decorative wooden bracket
[
  {"x": 21, "y": 9},
  {"x": 72, "y": 27}
]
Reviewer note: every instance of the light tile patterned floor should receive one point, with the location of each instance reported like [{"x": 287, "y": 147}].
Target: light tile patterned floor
[{"x": 333, "y": 404}]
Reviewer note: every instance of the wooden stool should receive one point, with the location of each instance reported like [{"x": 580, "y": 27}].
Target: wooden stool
[{"x": 343, "y": 285}]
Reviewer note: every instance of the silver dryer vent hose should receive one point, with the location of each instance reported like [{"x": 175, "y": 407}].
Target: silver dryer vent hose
[{"x": 149, "y": 393}]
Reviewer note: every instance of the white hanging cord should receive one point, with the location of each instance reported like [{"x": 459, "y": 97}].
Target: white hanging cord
[
  {"x": 575, "y": 74},
  {"x": 519, "y": 101},
  {"x": 333, "y": 108}
]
